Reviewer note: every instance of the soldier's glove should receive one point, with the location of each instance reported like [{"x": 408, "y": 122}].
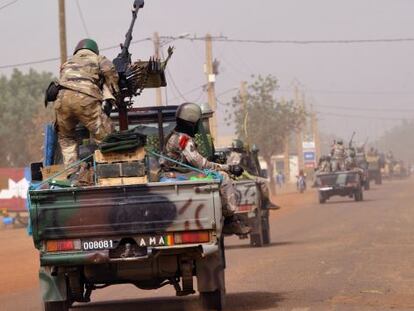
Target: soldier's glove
[
  {"x": 107, "y": 106},
  {"x": 236, "y": 170}
]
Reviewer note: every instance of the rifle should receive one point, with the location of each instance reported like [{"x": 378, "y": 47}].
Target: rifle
[{"x": 350, "y": 141}]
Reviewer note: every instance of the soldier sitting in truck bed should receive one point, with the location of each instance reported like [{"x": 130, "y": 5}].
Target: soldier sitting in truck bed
[
  {"x": 239, "y": 156},
  {"x": 181, "y": 147}
]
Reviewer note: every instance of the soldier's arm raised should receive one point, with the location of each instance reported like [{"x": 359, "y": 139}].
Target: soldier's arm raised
[{"x": 109, "y": 73}]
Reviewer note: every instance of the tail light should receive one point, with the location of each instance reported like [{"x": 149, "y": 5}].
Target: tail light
[
  {"x": 191, "y": 237},
  {"x": 63, "y": 245}
]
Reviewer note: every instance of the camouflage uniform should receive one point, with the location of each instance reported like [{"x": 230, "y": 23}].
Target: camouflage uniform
[
  {"x": 338, "y": 157},
  {"x": 235, "y": 158},
  {"x": 82, "y": 78},
  {"x": 181, "y": 147}
]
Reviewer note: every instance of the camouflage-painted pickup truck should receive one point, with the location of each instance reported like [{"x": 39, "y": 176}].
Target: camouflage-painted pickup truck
[{"x": 149, "y": 235}]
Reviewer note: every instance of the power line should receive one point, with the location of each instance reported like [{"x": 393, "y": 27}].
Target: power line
[
  {"x": 349, "y": 116},
  {"x": 359, "y": 108},
  {"x": 52, "y": 59},
  {"x": 82, "y": 18},
  {"x": 303, "y": 42},
  {"x": 8, "y": 4}
]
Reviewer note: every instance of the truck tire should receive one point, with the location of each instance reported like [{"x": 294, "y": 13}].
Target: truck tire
[
  {"x": 56, "y": 306},
  {"x": 266, "y": 228},
  {"x": 358, "y": 196},
  {"x": 256, "y": 236},
  {"x": 378, "y": 179},
  {"x": 212, "y": 300},
  {"x": 322, "y": 198},
  {"x": 366, "y": 185}
]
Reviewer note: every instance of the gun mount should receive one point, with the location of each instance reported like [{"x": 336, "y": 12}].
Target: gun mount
[{"x": 134, "y": 77}]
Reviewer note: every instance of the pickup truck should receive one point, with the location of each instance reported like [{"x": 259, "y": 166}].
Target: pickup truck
[
  {"x": 149, "y": 235},
  {"x": 342, "y": 183},
  {"x": 250, "y": 203}
]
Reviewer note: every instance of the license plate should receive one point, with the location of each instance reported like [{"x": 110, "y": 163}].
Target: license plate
[
  {"x": 97, "y": 244},
  {"x": 154, "y": 240},
  {"x": 325, "y": 188}
]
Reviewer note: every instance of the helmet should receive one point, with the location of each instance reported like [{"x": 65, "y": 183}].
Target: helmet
[
  {"x": 255, "y": 148},
  {"x": 237, "y": 144},
  {"x": 87, "y": 44},
  {"x": 189, "y": 112}
]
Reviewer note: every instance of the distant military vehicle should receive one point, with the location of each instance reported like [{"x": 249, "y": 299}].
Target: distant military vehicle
[
  {"x": 375, "y": 164},
  {"x": 251, "y": 204},
  {"x": 340, "y": 183}
]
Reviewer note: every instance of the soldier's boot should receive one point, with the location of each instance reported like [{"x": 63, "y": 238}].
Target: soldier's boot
[
  {"x": 233, "y": 225},
  {"x": 270, "y": 205}
]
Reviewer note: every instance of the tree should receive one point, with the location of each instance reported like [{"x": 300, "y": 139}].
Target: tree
[
  {"x": 399, "y": 140},
  {"x": 260, "y": 119},
  {"x": 22, "y": 117}
]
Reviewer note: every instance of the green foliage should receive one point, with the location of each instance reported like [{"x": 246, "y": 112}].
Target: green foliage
[
  {"x": 262, "y": 120},
  {"x": 21, "y": 117},
  {"x": 266, "y": 122}
]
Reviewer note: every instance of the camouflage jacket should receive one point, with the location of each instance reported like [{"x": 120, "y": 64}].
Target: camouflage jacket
[
  {"x": 181, "y": 147},
  {"x": 87, "y": 72},
  {"x": 338, "y": 152}
]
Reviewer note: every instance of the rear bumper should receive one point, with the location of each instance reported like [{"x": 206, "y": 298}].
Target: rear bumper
[
  {"x": 101, "y": 257},
  {"x": 343, "y": 191}
]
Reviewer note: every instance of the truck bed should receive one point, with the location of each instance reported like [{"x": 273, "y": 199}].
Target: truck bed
[{"x": 124, "y": 210}]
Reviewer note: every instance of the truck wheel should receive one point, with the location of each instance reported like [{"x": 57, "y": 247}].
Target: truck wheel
[
  {"x": 266, "y": 229},
  {"x": 322, "y": 198},
  {"x": 56, "y": 306},
  {"x": 366, "y": 185},
  {"x": 378, "y": 179},
  {"x": 212, "y": 300},
  {"x": 358, "y": 196},
  {"x": 256, "y": 236}
]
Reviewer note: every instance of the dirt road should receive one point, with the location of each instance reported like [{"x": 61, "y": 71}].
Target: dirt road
[{"x": 343, "y": 255}]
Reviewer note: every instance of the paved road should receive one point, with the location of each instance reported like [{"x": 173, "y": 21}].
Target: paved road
[{"x": 343, "y": 255}]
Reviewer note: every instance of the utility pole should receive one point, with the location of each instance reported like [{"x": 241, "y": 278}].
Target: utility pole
[
  {"x": 62, "y": 32},
  {"x": 243, "y": 97},
  {"x": 299, "y": 134},
  {"x": 315, "y": 134},
  {"x": 157, "y": 46},
  {"x": 211, "y": 79},
  {"x": 286, "y": 160}
]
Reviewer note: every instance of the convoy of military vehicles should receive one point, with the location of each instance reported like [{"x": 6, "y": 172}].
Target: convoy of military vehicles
[{"x": 122, "y": 224}]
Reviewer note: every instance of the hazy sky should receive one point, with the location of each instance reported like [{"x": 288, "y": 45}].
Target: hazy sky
[{"x": 376, "y": 78}]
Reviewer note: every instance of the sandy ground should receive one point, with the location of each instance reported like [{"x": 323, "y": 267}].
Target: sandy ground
[{"x": 342, "y": 255}]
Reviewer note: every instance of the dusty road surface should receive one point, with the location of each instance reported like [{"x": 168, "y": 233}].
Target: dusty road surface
[{"x": 343, "y": 255}]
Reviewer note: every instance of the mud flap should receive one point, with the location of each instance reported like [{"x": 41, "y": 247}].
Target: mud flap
[
  {"x": 210, "y": 272},
  {"x": 53, "y": 288}
]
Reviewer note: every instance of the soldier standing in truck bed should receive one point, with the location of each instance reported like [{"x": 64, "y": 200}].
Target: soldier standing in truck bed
[
  {"x": 181, "y": 147},
  {"x": 81, "y": 80}
]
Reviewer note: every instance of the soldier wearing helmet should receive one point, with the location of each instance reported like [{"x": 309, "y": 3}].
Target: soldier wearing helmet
[
  {"x": 338, "y": 156},
  {"x": 82, "y": 79},
  {"x": 181, "y": 147}
]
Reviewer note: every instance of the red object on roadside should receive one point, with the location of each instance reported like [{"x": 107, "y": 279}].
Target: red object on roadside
[{"x": 13, "y": 189}]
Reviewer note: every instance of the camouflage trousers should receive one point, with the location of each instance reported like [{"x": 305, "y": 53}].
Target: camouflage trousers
[
  {"x": 71, "y": 108},
  {"x": 228, "y": 195}
]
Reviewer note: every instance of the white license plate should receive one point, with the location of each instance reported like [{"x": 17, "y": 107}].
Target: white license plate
[
  {"x": 325, "y": 188},
  {"x": 97, "y": 244}
]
